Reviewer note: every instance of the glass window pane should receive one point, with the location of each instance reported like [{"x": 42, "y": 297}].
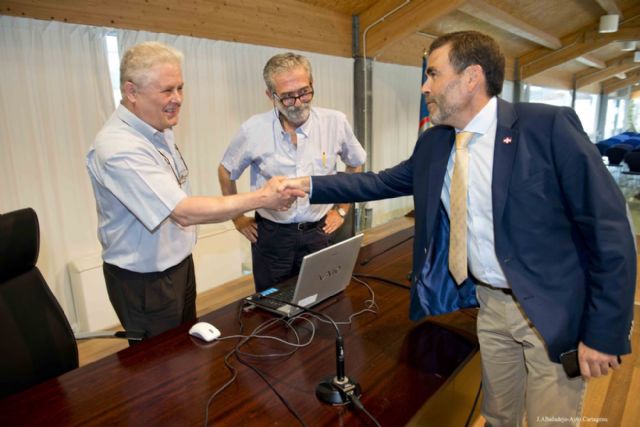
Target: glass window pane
[
  {"x": 586, "y": 108},
  {"x": 559, "y": 97},
  {"x": 113, "y": 59}
]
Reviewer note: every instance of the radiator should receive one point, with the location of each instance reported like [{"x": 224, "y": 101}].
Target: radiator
[{"x": 218, "y": 258}]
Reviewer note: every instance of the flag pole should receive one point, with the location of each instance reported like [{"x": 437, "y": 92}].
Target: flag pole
[{"x": 423, "y": 123}]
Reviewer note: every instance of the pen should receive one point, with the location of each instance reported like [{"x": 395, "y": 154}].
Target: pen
[{"x": 324, "y": 159}]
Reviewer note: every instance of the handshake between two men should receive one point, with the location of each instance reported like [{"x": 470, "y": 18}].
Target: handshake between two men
[{"x": 280, "y": 192}]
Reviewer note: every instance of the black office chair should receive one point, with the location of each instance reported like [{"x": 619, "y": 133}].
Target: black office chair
[
  {"x": 632, "y": 160},
  {"x": 602, "y": 147},
  {"x": 617, "y": 152},
  {"x": 36, "y": 340}
]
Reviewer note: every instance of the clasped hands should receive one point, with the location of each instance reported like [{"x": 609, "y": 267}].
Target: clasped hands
[{"x": 281, "y": 192}]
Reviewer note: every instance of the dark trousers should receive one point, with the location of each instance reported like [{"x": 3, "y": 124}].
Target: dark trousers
[
  {"x": 278, "y": 253},
  {"x": 152, "y": 302}
]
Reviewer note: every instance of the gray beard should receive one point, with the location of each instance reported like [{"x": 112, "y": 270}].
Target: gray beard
[{"x": 295, "y": 115}]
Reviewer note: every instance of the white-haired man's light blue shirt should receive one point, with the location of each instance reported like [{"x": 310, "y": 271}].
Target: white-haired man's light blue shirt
[{"x": 136, "y": 172}]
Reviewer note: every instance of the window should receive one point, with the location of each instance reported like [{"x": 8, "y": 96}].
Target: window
[
  {"x": 633, "y": 114},
  {"x": 507, "y": 91},
  {"x": 113, "y": 58},
  {"x": 586, "y": 105},
  {"x": 616, "y": 112},
  {"x": 586, "y": 108},
  {"x": 559, "y": 97}
]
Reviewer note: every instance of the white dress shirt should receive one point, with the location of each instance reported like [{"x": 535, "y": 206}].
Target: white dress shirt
[{"x": 481, "y": 251}]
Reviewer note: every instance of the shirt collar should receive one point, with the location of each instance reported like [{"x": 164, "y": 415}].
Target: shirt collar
[
  {"x": 303, "y": 129},
  {"x": 148, "y": 131},
  {"x": 482, "y": 121}
]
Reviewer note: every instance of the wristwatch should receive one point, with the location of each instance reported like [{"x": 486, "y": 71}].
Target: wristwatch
[{"x": 342, "y": 212}]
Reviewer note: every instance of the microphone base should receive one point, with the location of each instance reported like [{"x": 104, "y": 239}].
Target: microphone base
[{"x": 334, "y": 393}]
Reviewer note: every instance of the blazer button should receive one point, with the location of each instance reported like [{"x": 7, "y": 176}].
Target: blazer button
[{"x": 425, "y": 251}]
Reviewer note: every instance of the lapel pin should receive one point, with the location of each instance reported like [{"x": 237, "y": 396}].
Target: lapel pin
[{"x": 507, "y": 140}]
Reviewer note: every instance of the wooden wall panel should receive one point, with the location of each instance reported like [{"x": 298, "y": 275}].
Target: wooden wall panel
[
  {"x": 324, "y": 26},
  {"x": 348, "y": 7},
  {"x": 406, "y": 52},
  {"x": 283, "y": 23}
]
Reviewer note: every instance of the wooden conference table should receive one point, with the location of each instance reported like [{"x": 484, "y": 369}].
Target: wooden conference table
[{"x": 167, "y": 380}]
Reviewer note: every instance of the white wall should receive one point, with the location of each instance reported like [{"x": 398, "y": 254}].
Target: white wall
[
  {"x": 396, "y": 111},
  {"x": 217, "y": 258}
]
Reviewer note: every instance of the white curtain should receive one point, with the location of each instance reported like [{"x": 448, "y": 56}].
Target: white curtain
[
  {"x": 55, "y": 95},
  {"x": 396, "y": 111},
  {"x": 224, "y": 87}
]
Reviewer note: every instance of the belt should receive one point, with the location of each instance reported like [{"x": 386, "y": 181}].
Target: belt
[
  {"x": 301, "y": 226},
  {"x": 506, "y": 291}
]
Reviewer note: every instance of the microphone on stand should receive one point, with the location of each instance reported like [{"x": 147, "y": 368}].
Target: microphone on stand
[{"x": 338, "y": 389}]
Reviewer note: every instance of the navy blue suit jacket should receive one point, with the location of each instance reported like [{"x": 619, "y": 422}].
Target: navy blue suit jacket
[{"x": 562, "y": 235}]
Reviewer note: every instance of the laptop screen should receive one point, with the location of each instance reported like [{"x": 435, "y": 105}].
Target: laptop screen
[{"x": 322, "y": 274}]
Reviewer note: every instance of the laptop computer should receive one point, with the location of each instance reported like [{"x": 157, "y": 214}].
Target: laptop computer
[{"x": 322, "y": 274}]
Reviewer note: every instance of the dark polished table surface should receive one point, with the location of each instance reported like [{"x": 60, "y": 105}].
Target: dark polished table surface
[{"x": 168, "y": 380}]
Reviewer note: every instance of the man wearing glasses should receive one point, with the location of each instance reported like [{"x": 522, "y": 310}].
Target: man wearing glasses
[
  {"x": 146, "y": 216},
  {"x": 293, "y": 139}
]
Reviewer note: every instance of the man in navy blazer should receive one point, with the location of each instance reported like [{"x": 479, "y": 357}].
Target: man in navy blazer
[{"x": 551, "y": 252}]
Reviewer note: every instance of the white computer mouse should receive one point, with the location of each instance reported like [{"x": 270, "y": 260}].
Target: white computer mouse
[{"x": 205, "y": 331}]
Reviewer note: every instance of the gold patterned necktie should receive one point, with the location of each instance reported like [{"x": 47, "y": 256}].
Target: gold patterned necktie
[{"x": 458, "y": 209}]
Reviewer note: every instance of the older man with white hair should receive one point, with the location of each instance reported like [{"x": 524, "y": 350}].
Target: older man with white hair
[{"x": 146, "y": 215}]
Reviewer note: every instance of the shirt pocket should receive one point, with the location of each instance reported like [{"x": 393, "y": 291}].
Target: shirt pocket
[{"x": 324, "y": 164}]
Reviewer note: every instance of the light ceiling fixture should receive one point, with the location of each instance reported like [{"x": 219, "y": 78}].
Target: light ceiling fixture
[
  {"x": 629, "y": 46},
  {"x": 609, "y": 23}
]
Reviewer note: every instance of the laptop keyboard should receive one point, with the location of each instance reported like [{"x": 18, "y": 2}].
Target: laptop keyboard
[{"x": 285, "y": 294}]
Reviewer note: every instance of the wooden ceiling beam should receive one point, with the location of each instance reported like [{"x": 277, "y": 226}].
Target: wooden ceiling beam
[
  {"x": 614, "y": 66},
  {"x": 578, "y": 44},
  {"x": 573, "y": 47},
  {"x": 614, "y": 84},
  {"x": 287, "y": 24},
  {"x": 406, "y": 20},
  {"x": 490, "y": 14},
  {"x": 591, "y": 61},
  {"x": 611, "y": 7}
]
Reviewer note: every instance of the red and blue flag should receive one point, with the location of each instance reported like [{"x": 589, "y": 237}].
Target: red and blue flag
[{"x": 424, "y": 112}]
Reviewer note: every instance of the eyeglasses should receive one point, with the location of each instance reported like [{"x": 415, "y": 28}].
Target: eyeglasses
[
  {"x": 182, "y": 179},
  {"x": 290, "y": 100}
]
